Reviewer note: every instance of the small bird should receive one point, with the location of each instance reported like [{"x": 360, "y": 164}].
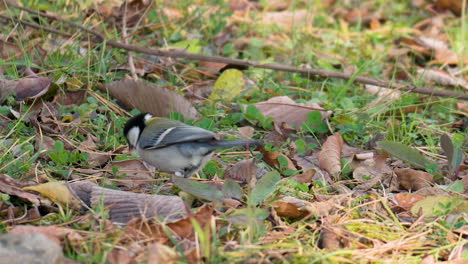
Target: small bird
[{"x": 172, "y": 146}]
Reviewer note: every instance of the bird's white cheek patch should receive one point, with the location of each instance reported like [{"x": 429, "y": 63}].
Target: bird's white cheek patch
[{"x": 133, "y": 135}]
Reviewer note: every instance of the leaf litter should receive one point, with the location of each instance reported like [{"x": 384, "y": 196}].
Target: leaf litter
[{"x": 279, "y": 205}]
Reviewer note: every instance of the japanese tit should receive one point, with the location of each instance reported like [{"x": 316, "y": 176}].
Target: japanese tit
[{"x": 172, "y": 146}]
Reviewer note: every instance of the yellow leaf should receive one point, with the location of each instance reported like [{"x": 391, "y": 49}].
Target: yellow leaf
[
  {"x": 229, "y": 85},
  {"x": 57, "y": 192}
]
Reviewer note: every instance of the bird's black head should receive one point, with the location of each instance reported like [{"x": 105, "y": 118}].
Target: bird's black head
[{"x": 134, "y": 127}]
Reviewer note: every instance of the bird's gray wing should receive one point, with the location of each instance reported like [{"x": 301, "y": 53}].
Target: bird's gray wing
[{"x": 175, "y": 135}]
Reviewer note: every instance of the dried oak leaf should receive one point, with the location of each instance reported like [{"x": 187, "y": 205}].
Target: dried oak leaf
[
  {"x": 407, "y": 200},
  {"x": 330, "y": 155},
  {"x": 147, "y": 97},
  {"x": 153, "y": 231},
  {"x": 441, "y": 78},
  {"x": 284, "y": 109},
  {"x": 27, "y": 88},
  {"x": 305, "y": 177},
  {"x": 10, "y": 186},
  {"x": 96, "y": 158},
  {"x": 272, "y": 159},
  {"x": 290, "y": 207},
  {"x": 132, "y": 174},
  {"x": 244, "y": 171},
  {"x": 413, "y": 179}
]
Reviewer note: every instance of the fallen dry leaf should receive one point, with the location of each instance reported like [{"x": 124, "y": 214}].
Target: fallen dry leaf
[
  {"x": 152, "y": 231},
  {"x": 329, "y": 158},
  {"x": 127, "y": 205},
  {"x": 159, "y": 253},
  {"x": 284, "y": 109},
  {"x": 27, "y": 88},
  {"x": 13, "y": 187},
  {"x": 96, "y": 158},
  {"x": 407, "y": 200},
  {"x": 413, "y": 179},
  {"x": 120, "y": 256},
  {"x": 132, "y": 174},
  {"x": 244, "y": 171},
  {"x": 332, "y": 237},
  {"x": 290, "y": 207},
  {"x": 246, "y": 131},
  {"x": 123, "y": 206},
  {"x": 150, "y": 98},
  {"x": 58, "y": 193},
  {"x": 271, "y": 158},
  {"x": 441, "y": 78},
  {"x": 453, "y": 5},
  {"x": 305, "y": 177}
]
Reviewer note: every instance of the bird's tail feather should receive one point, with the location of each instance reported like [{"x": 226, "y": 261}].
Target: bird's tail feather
[{"x": 237, "y": 143}]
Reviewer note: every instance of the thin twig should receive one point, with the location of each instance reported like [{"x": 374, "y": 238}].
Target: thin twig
[
  {"x": 272, "y": 66},
  {"x": 131, "y": 65}
]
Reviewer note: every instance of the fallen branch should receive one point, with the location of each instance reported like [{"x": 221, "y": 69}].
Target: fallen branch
[{"x": 272, "y": 66}]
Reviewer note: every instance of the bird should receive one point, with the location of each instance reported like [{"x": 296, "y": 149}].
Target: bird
[{"x": 174, "y": 147}]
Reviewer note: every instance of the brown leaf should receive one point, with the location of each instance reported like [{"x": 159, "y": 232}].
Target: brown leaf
[
  {"x": 54, "y": 233},
  {"x": 331, "y": 238},
  {"x": 132, "y": 174},
  {"x": 453, "y": 5},
  {"x": 120, "y": 256},
  {"x": 305, "y": 177},
  {"x": 27, "y": 88},
  {"x": 71, "y": 98},
  {"x": 215, "y": 67},
  {"x": 127, "y": 205},
  {"x": 441, "y": 78},
  {"x": 14, "y": 187},
  {"x": 43, "y": 144},
  {"x": 407, "y": 200},
  {"x": 413, "y": 179},
  {"x": 290, "y": 207},
  {"x": 152, "y": 231},
  {"x": 244, "y": 171},
  {"x": 271, "y": 158},
  {"x": 96, "y": 158},
  {"x": 159, "y": 253},
  {"x": 150, "y": 98},
  {"x": 330, "y": 155},
  {"x": 246, "y": 131},
  {"x": 284, "y": 109}
]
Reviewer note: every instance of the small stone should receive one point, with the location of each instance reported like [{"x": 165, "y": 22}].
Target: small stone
[{"x": 31, "y": 248}]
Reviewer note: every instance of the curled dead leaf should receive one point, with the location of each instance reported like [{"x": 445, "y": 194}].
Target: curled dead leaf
[
  {"x": 58, "y": 193},
  {"x": 244, "y": 171},
  {"x": 10, "y": 186},
  {"x": 151, "y": 230},
  {"x": 442, "y": 78},
  {"x": 407, "y": 200},
  {"x": 284, "y": 109},
  {"x": 272, "y": 159},
  {"x": 132, "y": 174},
  {"x": 413, "y": 179},
  {"x": 150, "y": 98},
  {"x": 27, "y": 88},
  {"x": 290, "y": 207},
  {"x": 305, "y": 177},
  {"x": 329, "y": 157}
]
